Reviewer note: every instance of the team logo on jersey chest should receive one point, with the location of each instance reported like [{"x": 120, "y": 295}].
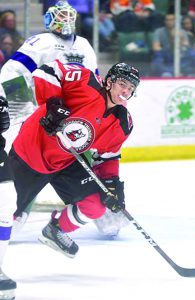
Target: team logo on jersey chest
[
  {"x": 74, "y": 57},
  {"x": 80, "y": 134}
]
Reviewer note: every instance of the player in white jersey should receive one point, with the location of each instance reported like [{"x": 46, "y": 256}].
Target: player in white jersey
[{"x": 60, "y": 42}]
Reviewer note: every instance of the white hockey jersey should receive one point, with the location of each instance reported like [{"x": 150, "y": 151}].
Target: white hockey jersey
[{"x": 46, "y": 47}]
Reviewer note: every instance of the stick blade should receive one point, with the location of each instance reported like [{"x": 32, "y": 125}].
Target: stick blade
[{"x": 185, "y": 272}]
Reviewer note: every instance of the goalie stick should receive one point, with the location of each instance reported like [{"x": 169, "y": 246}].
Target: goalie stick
[{"x": 185, "y": 272}]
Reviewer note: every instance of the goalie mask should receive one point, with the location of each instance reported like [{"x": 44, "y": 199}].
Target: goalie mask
[
  {"x": 61, "y": 19},
  {"x": 123, "y": 71}
]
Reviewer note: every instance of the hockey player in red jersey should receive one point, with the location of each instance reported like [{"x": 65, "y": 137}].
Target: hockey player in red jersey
[{"x": 93, "y": 117}]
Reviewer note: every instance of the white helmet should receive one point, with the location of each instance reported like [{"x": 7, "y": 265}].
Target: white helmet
[{"x": 61, "y": 18}]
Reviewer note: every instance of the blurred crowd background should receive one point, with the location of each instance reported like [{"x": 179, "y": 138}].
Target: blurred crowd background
[{"x": 141, "y": 32}]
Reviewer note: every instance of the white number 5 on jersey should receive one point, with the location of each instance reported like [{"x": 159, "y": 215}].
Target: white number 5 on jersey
[{"x": 73, "y": 75}]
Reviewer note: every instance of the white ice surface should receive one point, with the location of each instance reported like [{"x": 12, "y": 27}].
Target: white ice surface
[{"x": 161, "y": 197}]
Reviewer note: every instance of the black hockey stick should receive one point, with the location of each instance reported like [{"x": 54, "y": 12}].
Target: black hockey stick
[{"x": 185, "y": 272}]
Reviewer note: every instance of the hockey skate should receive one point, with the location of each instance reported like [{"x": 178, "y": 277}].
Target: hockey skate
[
  {"x": 7, "y": 287},
  {"x": 58, "y": 240}
]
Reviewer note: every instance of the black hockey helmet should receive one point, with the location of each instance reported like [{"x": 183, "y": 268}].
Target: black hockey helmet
[{"x": 123, "y": 71}]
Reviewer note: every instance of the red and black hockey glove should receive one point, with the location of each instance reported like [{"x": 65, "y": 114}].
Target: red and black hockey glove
[
  {"x": 116, "y": 202},
  {"x": 56, "y": 113},
  {"x": 4, "y": 115}
]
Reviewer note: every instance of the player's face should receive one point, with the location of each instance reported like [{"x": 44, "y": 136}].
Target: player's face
[
  {"x": 65, "y": 22},
  {"x": 65, "y": 17},
  {"x": 120, "y": 91}
]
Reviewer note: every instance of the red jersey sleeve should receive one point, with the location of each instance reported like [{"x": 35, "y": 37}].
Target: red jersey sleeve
[{"x": 47, "y": 81}]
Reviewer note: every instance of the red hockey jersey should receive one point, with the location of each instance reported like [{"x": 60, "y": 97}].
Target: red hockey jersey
[{"x": 89, "y": 127}]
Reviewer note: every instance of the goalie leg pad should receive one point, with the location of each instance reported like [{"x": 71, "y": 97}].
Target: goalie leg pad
[{"x": 111, "y": 223}]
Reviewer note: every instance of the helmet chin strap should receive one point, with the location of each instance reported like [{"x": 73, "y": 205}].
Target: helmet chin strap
[
  {"x": 129, "y": 96},
  {"x": 109, "y": 94}
]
